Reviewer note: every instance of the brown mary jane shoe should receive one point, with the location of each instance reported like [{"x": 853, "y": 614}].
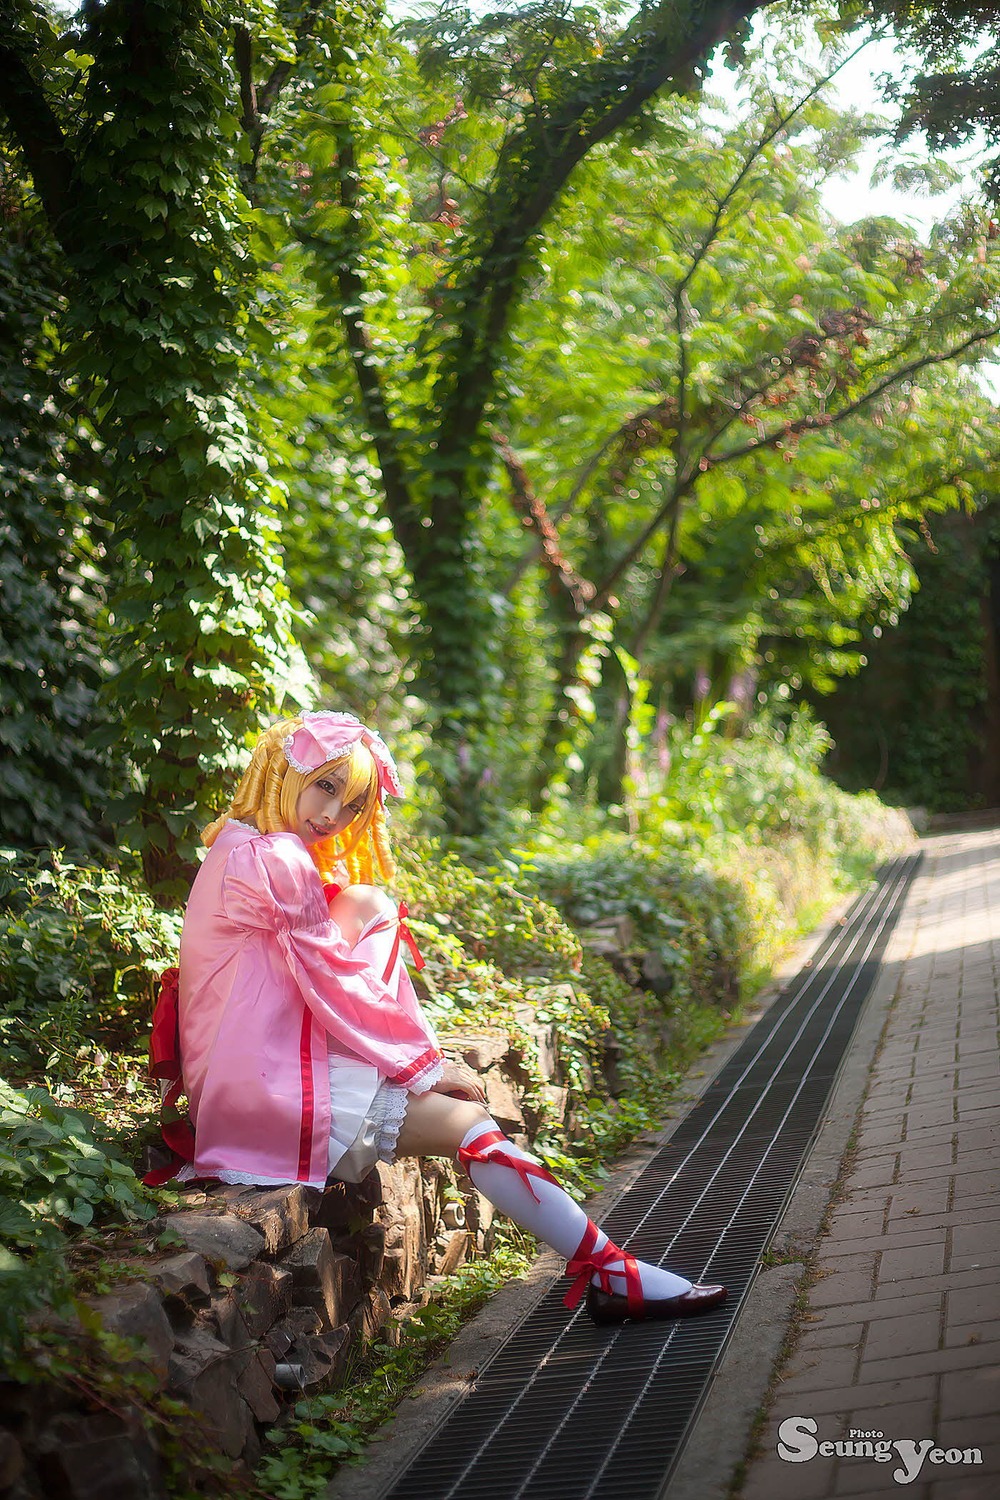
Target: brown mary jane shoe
[{"x": 609, "y": 1307}]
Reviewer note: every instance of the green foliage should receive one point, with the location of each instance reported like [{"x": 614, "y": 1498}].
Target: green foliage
[
  {"x": 915, "y": 722},
  {"x": 681, "y": 911},
  {"x": 56, "y": 1176},
  {"x": 141, "y": 188},
  {"x": 318, "y": 314},
  {"x": 523, "y": 935},
  {"x": 58, "y": 1172},
  {"x": 765, "y": 788},
  {"x": 52, "y": 574},
  {"x": 419, "y": 193},
  {"x": 951, "y": 95},
  {"x": 80, "y": 948},
  {"x": 744, "y": 405},
  {"x": 763, "y": 785},
  {"x": 739, "y": 841}
]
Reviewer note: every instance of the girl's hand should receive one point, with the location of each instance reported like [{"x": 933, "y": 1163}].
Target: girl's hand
[{"x": 459, "y": 1080}]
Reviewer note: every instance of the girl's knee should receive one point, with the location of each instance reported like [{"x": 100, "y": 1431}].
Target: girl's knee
[
  {"x": 466, "y": 1116},
  {"x": 373, "y": 901}
]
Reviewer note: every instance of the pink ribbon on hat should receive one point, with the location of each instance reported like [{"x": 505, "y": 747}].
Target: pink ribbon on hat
[{"x": 326, "y": 736}]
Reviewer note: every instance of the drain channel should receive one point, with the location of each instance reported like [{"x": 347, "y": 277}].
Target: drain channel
[{"x": 569, "y": 1411}]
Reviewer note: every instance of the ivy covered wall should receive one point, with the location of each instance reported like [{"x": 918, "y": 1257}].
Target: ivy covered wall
[{"x": 53, "y": 576}]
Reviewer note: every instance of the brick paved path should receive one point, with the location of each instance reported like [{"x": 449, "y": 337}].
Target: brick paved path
[{"x": 902, "y": 1333}]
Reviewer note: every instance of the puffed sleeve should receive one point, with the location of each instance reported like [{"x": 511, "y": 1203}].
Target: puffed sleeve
[{"x": 270, "y": 884}]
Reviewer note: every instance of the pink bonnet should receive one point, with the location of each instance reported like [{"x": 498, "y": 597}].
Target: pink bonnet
[{"x": 327, "y": 736}]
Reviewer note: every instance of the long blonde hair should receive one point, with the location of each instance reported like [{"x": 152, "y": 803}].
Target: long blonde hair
[{"x": 269, "y": 793}]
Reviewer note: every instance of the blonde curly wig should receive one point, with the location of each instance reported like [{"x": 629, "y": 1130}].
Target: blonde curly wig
[{"x": 269, "y": 793}]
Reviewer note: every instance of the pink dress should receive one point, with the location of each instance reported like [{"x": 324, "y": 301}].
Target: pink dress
[{"x": 286, "y": 1033}]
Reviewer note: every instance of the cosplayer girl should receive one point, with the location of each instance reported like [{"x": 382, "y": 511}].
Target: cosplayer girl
[{"x": 304, "y": 1050}]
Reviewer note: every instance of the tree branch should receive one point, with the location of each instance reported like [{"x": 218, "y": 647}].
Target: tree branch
[
  {"x": 243, "y": 54},
  {"x": 677, "y": 291},
  {"x": 669, "y": 571},
  {"x": 528, "y": 505},
  {"x": 652, "y": 416},
  {"x": 628, "y": 557},
  {"x": 258, "y": 103},
  {"x": 532, "y": 174},
  {"x": 797, "y": 426},
  {"x": 759, "y": 147},
  {"x": 833, "y": 419}
]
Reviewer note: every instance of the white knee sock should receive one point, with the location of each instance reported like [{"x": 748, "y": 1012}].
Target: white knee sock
[{"x": 554, "y": 1217}]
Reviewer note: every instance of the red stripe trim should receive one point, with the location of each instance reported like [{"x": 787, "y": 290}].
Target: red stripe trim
[
  {"x": 308, "y": 1097},
  {"x": 425, "y": 1059}
]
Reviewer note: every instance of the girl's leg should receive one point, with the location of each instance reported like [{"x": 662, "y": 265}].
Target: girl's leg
[
  {"x": 436, "y": 1125},
  {"x": 617, "y": 1285}
]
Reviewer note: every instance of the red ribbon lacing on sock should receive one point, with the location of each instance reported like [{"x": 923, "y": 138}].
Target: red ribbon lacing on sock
[
  {"x": 165, "y": 1064},
  {"x": 522, "y": 1165},
  {"x": 587, "y": 1262}
]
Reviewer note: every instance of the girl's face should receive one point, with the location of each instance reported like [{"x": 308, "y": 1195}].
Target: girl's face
[{"x": 320, "y": 810}]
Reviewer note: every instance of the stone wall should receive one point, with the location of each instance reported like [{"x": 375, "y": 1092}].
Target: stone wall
[{"x": 259, "y": 1295}]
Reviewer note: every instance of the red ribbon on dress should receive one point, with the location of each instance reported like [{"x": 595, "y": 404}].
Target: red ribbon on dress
[
  {"x": 522, "y": 1165},
  {"x": 586, "y": 1261},
  {"x": 165, "y": 1064},
  {"x": 403, "y": 934}
]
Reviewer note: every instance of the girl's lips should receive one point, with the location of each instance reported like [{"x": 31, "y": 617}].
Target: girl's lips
[{"x": 321, "y": 833}]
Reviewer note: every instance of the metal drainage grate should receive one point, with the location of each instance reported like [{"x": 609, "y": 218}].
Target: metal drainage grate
[{"x": 571, "y": 1411}]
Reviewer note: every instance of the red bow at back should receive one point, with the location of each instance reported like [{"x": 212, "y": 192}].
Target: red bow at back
[{"x": 165, "y": 1064}]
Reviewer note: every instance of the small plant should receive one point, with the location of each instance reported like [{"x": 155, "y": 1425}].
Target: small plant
[
  {"x": 80, "y": 949},
  {"x": 495, "y": 919},
  {"x": 56, "y": 1176}
]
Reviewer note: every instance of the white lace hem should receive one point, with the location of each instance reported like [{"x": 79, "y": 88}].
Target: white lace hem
[
  {"x": 393, "y": 1100},
  {"x": 426, "y": 1078},
  {"x": 188, "y": 1173}
]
